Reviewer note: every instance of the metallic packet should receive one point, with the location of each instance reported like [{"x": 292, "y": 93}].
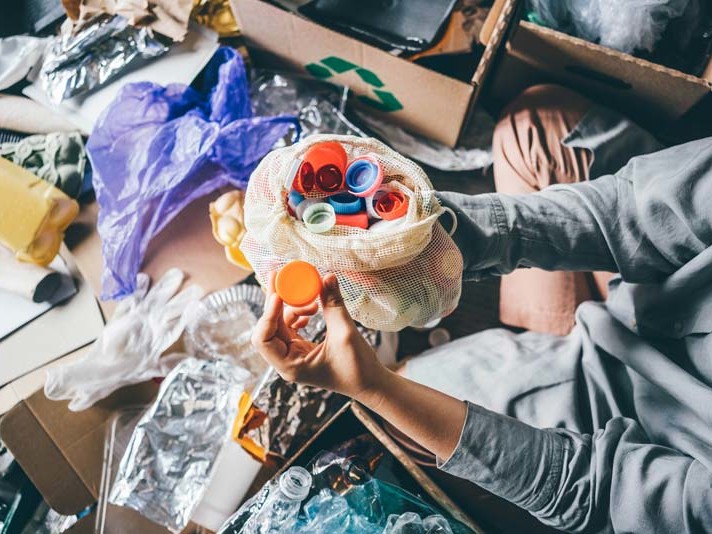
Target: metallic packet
[
  {"x": 294, "y": 412},
  {"x": 167, "y": 464},
  {"x": 83, "y": 58}
]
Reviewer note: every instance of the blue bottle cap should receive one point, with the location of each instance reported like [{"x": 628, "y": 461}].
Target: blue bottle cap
[
  {"x": 364, "y": 176},
  {"x": 346, "y": 204}
]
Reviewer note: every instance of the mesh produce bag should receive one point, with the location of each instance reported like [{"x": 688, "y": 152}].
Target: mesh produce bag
[{"x": 405, "y": 276}]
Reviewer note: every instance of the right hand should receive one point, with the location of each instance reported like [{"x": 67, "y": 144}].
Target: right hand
[{"x": 344, "y": 362}]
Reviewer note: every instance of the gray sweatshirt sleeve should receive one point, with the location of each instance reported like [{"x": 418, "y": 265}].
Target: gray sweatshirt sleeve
[
  {"x": 613, "y": 480},
  {"x": 645, "y": 221}
]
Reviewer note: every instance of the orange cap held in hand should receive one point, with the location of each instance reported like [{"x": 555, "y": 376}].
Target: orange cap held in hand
[{"x": 298, "y": 283}]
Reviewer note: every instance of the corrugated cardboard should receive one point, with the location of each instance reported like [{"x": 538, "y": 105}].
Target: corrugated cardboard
[
  {"x": 643, "y": 90},
  {"x": 412, "y": 96}
]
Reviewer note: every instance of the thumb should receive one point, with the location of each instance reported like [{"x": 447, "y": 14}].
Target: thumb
[{"x": 332, "y": 302}]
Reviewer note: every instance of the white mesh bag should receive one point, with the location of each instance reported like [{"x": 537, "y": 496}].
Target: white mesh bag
[{"x": 405, "y": 276}]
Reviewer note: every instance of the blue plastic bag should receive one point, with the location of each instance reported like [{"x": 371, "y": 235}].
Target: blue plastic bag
[{"x": 156, "y": 149}]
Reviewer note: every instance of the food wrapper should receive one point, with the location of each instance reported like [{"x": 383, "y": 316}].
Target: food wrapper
[
  {"x": 280, "y": 416},
  {"x": 167, "y": 464},
  {"x": 87, "y": 56}
]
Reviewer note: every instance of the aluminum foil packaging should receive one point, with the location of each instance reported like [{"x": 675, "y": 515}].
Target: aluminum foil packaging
[
  {"x": 294, "y": 412},
  {"x": 320, "y": 106},
  {"x": 167, "y": 464},
  {"x": 84, "y": 58}
]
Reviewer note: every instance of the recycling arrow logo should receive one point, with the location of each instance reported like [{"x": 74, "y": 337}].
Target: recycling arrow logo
[{"x": 332, "y": 65}]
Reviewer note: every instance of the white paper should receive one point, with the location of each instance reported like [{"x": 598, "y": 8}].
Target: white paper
[
  {"x": 66, "y": 327},
  {"x": 16, "y": 310},
  {"x": 181, "y": 64}
]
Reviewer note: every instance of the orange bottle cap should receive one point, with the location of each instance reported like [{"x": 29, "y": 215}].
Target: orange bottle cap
[
  {"x": 298, "y": 283},
  {"x": 328, "y": 161}
]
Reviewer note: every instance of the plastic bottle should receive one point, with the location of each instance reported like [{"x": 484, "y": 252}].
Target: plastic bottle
[{"x": 280, "y": 510}]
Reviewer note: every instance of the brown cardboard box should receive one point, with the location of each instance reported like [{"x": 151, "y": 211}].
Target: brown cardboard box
[
  {"x": 650, "y": 93},
  {"x": 410, "y": 95}
]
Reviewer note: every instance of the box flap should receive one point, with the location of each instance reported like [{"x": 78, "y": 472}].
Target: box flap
[
  {"x": 62, "y": 451},
  {"x": 632, "y": 84}
]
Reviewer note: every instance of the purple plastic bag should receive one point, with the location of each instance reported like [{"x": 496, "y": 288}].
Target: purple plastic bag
[{"x": 156, "y": 149}]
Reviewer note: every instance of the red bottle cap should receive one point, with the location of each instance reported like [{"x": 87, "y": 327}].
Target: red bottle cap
[
  {"x": 357, "y": 220},
  {"x": 328, "y": 161},
  {"x": 392, "y": 205}
]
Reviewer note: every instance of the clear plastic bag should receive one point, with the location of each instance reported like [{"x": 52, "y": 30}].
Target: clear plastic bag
[
  {"x": 625, "y": 25},
  {"x": 406, "y": 276},
  {"x": 156, "y": 149}
]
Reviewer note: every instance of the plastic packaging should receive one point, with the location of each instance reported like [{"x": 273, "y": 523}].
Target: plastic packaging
[
  {"x": 623, "y": 25},
  {"x": 156, "y": 149},
  {"x": 405, "y": 275},
  {"x": 280, "y": 510},
  {"x": 221, "y": 324}
]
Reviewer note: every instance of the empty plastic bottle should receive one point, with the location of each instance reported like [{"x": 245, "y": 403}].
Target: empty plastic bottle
[{"x": 281, "y": 508}]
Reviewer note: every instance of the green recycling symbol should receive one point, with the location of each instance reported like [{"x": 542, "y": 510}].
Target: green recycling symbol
[{"x": 329, "y": 66}]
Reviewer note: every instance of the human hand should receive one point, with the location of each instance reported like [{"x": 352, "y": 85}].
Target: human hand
[{"x": 344, "y": 362}]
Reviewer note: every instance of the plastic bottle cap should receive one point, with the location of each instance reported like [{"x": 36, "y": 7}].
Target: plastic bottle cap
[
  {"x": 438, "y": 337},
  {"x": 385, "y": 226},
  {"x": 319, "y": 217},
  {"x": 346, "y": 203},
  {"x": 295, "y": 483},
  {"x": 328, "y": 162},
  {"x": 357, "y": 220},
  {"x": 329, "y": 179},
  {"x": 364, "y": 176},
  {"x": 392, "y": 205},
  {"x": 295, "y": 198},
  {"x": 304, "y": 179},
  {"x": 298, "y": 283}
]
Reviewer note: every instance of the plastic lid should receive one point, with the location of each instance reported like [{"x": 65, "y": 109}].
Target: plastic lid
[
  {"x": 295, "y": 483},
  {"x": 346, "y": 203},
  {"x": 364, "y": 176},
  {"x": 392, "y": 205},
  {"x": 298, "y": 283},
  {"x": 329, "y": 179},
  {"x": 357, "y": 220},
  {"x": 304, "y": 180},
  {"x": 328, "y": 161},
  {"x": 295, "y": 198},
  {"x": 319, "y": 217}
]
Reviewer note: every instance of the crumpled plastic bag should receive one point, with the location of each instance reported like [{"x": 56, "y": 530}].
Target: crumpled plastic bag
[
  {"x": 625, "y": 25},
  {"x": 129, "y": 349},
  {"x": 156, "y": 149}
]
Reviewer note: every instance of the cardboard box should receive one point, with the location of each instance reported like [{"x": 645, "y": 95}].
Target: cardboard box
[
  {"x": 650, "y": 93},
  {"x": 416, "y": 98},
  {"x": 353, "y": 420}
]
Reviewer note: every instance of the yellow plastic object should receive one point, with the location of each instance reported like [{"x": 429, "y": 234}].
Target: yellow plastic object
[
  {"x": 226, "y": 217},
  {"x": 247, "y": 418},
  {"x": 33, "y": 214},
  {"x": 298, "y": 283}
]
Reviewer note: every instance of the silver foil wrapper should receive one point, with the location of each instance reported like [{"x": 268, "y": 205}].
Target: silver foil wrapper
[
  {"x": 167, "y": 464},
  {"x": 86, "y": 57}
]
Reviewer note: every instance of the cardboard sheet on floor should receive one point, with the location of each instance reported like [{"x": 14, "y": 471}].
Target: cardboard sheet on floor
[
  {"x": 59, "y": 331},
  {"x": 181, "y": 64}
]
